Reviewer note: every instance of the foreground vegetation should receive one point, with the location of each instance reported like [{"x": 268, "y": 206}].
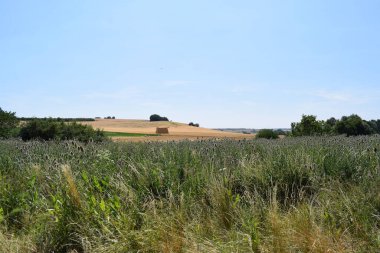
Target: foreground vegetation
[{"x": 310, "y": 194}]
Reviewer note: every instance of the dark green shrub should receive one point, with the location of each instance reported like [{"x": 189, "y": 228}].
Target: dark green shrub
[
  {"x": 267, "y": 134},
  {"x": 280, "y": 132},
  {"x": 352, "y": 125},
  {"x": 8, "y": 124},
  {"x": 50, "y": 129},
  {"x": 194, "y": 125},
  {"x": 156, "y": 117}
]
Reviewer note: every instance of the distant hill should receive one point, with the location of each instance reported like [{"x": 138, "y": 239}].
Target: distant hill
[{"x": 176, "y": 130}]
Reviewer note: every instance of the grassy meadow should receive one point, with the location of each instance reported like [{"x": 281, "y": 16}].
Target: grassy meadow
[{"x": 306, "y": 194}]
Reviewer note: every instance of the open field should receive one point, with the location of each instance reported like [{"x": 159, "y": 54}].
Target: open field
[
  {"x": 317, "y": 194},
  {"x": 121, "y": 134},
  {"x": 177, "y": 131}
]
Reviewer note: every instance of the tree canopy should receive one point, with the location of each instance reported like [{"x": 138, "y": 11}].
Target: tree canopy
[
  {"x": 352, "y": 125},
  {"x": 8, "y": 124},
  {"x": 156, "y": 117},
  {"x": 267, "y": 134},
  {"x": 348, "y": 125},
  {"x": 53, "y": 130},
  {"x": 309, "y": 125}
]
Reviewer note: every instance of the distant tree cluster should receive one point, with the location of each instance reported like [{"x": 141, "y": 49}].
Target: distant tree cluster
[
  {"x": 46, "y": 128},
  {"x": 267, "y": 134},
  {"x": 348, "y": 125},
  {"x": 156, "y": 117},
  {"x": 57, "y": 119},
  {"x": 281, "y": 132},
  {"x": 109, "y": 117},
  {"x": 54, "y": 130},
  {"x": 193, "y": 124}
]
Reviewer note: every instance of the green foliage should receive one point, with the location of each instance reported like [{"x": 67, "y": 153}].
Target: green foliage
[
  {"x": 267, "y": 134},
  {"x": 374, "y": 126},
  {"x": 306, "y": 194},
  {"x": 349, "y": 125},
  {"x": 193, "y": 124},
  {"x": 57, "y": 119},
  {"x": 156, "y": 117},
  {"x": 352, "y": 125},
  {"x": 8, "y": 124},
  {"x": 281, "y": 132},
  {"x": 54, "y": 130},
  {"x": 308, "y": 126}
]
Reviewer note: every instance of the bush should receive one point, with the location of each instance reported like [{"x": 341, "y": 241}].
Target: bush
[
  {"x": 53, "y": 130},
  {"x": 8, "y": 124},
  {"x": 267, "y": 134},
  {"x": 194, "y": 125},
  {"x": 280, "y": 132},
  {"x": 156, "y": 117}
]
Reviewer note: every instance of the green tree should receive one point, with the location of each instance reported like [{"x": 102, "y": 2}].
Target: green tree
[
  {"x": 267, "y": 134},
  {"x": 156, "y": 117},
  {"x": 8, "y": 124},
  {"x": 329, "y": 125},
  {"x": 309, "y": 125},
  {"x": 374, "y": 128},
  {"x": 352, "y": 125}
]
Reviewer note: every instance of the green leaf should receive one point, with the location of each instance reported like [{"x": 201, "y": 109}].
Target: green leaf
[{"x": 102, "y": 205}]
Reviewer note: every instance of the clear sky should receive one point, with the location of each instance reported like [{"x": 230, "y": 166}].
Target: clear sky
[{"x": 241, "y": 63}]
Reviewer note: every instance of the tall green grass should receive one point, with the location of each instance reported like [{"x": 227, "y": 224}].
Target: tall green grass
[{"x": 314, "y": 194}]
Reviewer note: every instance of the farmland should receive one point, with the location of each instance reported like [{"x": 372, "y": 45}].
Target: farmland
[
  {"x": 177, "y": 131},
  {"x": 304, "y": 194},
  {"x": 123, "y": 134}
]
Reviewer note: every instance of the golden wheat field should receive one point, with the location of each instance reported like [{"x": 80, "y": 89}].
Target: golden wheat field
[{"x": 177, "y": 131}]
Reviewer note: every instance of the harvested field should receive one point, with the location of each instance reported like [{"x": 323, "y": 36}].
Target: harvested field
[{"x": 177, "y": 131}]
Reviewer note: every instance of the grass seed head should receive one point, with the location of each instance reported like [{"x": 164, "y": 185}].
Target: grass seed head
[{"x": 72, "y": 189}]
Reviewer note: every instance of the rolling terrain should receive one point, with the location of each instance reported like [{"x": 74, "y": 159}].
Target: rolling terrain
[{"x": 177, "y": 131}]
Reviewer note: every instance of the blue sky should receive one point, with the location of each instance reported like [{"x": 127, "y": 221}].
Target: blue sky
[{"x": 243, "y": 63}]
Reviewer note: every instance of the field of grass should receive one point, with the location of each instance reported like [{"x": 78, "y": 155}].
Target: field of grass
[
  {"x": 119, "y": 134},
  {"x": 317, "y": 194}
]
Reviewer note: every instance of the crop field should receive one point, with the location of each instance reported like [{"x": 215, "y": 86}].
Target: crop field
[
  {"x": 177, "y": 131},
  {"x": 309, "y": 194},
  {"x": 121, "y": 134}
]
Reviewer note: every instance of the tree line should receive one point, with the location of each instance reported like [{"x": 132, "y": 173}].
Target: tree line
[
  {"x": 46, "y": 129},
  {"x": 60, "y": 129},
  {"x": 56, "y": 119},
  {"x": 348, "y": 125}
]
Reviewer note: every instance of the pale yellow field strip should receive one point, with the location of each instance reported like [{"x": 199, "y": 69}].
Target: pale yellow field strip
[{"x": 177, "y": 131}]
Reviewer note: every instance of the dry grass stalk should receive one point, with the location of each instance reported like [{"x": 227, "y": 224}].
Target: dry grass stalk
[{"x": 73, "y": 191}]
